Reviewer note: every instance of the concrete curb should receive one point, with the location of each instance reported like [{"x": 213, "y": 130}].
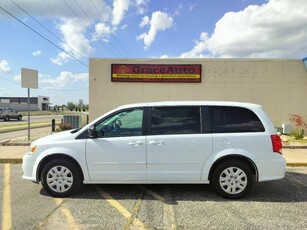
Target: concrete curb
[
  {"x": 295, "y": 147},
  {"x": 6, "y": 143},
  {"x": 299, "y": 164},
  {"x": 11, "y": 161},
  {"x": 3, "y": 142}
]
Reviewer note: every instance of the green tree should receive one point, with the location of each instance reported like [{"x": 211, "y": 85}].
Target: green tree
[{"x": 71, "y": 106}]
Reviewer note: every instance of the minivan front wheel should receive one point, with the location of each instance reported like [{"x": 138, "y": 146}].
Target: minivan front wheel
[
  {"x": 60, "y": 178},
  {"x": 232, "y": 179}
]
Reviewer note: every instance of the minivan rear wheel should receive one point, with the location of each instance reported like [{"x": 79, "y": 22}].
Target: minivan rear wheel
[
  {"x": 232, "y": 179},
  {"x": 60, "y": 178}
]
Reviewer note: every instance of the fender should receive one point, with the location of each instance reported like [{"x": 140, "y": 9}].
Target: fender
[
  {"x": 80, "y": 158},
  {"x": 226, "y": 152}
]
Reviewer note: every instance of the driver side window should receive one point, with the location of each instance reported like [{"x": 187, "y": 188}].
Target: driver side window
[{"x": 124, "y": 123}]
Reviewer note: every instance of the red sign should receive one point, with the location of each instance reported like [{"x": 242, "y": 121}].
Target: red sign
[{"x": 156, "y": 73}]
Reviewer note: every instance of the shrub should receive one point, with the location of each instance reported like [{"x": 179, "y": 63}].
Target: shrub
[
  {"x": 63, "y": 127},
  {"x": 300, "y": 124}
]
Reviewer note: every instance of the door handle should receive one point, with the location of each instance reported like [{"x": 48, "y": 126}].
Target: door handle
[
  {"x": 135, "y": 143},
  {"x": 156, "y": 142}
]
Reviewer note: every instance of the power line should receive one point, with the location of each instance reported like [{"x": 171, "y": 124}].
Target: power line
[
  {"x": 96, "y": 9},
  {"x": 74, "y": 13},
  {"x": 84, "y": 12},
  {"x": 91, "y": 20},
  {"x": 33, "y": 30},
  {"x": 50, "y": 8},
  {"x": 122, "y": 49},
  {"x": 9, "y": 81},
  {"x": 48, "y": 29}
]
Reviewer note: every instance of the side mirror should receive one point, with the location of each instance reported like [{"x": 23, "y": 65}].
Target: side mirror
[
  {"x": 119, "y": 123},
  {"x": 92, "y": 133}
]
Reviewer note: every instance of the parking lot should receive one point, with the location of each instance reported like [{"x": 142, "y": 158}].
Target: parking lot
[{"x": 272, "y": 205}]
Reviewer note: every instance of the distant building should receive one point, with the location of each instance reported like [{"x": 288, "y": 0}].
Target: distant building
[
  {"x": 39, "y": 103},
  {"x": 81, "y": 103}
]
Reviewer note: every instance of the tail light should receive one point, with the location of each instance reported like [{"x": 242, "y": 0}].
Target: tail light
[{"x": 276, "y": 143}]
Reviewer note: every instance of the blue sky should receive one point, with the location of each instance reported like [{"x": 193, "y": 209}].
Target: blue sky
[{"x": 57, "y": 37}]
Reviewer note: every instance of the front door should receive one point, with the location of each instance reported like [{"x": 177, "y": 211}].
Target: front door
[{"x": 119, "y": 151}]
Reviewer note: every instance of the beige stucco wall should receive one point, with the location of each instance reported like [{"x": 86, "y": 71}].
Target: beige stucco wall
[{"x": 279, "y": 85}]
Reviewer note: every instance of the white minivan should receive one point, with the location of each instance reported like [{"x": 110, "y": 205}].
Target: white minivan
[{"x": 230, "y": 145}]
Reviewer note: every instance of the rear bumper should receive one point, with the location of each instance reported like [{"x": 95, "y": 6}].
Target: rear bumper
[{"x": 271, "y": 168}]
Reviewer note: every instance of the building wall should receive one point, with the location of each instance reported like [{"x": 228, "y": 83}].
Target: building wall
[
  {"x": 279, "y": 85},
  {"x": 19, "y": 107},
  {"x": 21, "y": 103},
  {"x": 43, "y": 103}
]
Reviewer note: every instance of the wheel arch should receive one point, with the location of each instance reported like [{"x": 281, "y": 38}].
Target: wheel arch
[
  {"x": 57, "y": 156},
  {"x": 237, "y": 157}
]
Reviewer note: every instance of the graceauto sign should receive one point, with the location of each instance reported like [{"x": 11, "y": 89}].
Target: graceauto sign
[{"x": 156, "y": 73}]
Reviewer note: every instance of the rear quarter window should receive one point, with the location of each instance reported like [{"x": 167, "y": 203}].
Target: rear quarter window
[{"x": 228, "y": 119}]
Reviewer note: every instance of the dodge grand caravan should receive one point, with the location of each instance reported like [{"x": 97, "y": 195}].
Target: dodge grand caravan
[{"x": 227, "y": 144}]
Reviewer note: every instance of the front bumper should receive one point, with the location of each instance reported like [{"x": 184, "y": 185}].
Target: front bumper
[{"x": 28, "y": 167}]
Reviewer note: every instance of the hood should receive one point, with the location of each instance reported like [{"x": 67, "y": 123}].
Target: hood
[{"x": 56, "y": 137}]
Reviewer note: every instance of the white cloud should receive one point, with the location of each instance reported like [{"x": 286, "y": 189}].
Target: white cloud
[
  {"x": 76, "y": 43},
  {"x": 192, "y": 7},
  {"x": 159, "y": 21},
  {"x": 179, "y": 8},
  {"x": 4, "y": 66},
  {"x": 60, "y": 59},
  {"x": 141, "y": 6},
  {"x": 18, "y": 78},
  {"x": 120, "y": 7},
  {"x": 65, "y": 78},
  {"x": 145, "y": 21},
  {"x": 276, "y": 29},
  {"x": 124, "y": 27},
  {"x": 198, "y": 49},
  {"x": 102, "y": 31},
  {"x": 37, "y": 53}
]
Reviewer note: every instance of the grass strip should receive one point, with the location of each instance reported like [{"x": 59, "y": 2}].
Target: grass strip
[{"x": 24, "y": 126}]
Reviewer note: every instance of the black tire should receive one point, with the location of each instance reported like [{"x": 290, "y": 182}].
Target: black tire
[
  {"x": 61, "y": 178},
  {"x": 6, "y": 118},
  {"x": 232, "y": 179},
  {"x": 19, "y": 118}
]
